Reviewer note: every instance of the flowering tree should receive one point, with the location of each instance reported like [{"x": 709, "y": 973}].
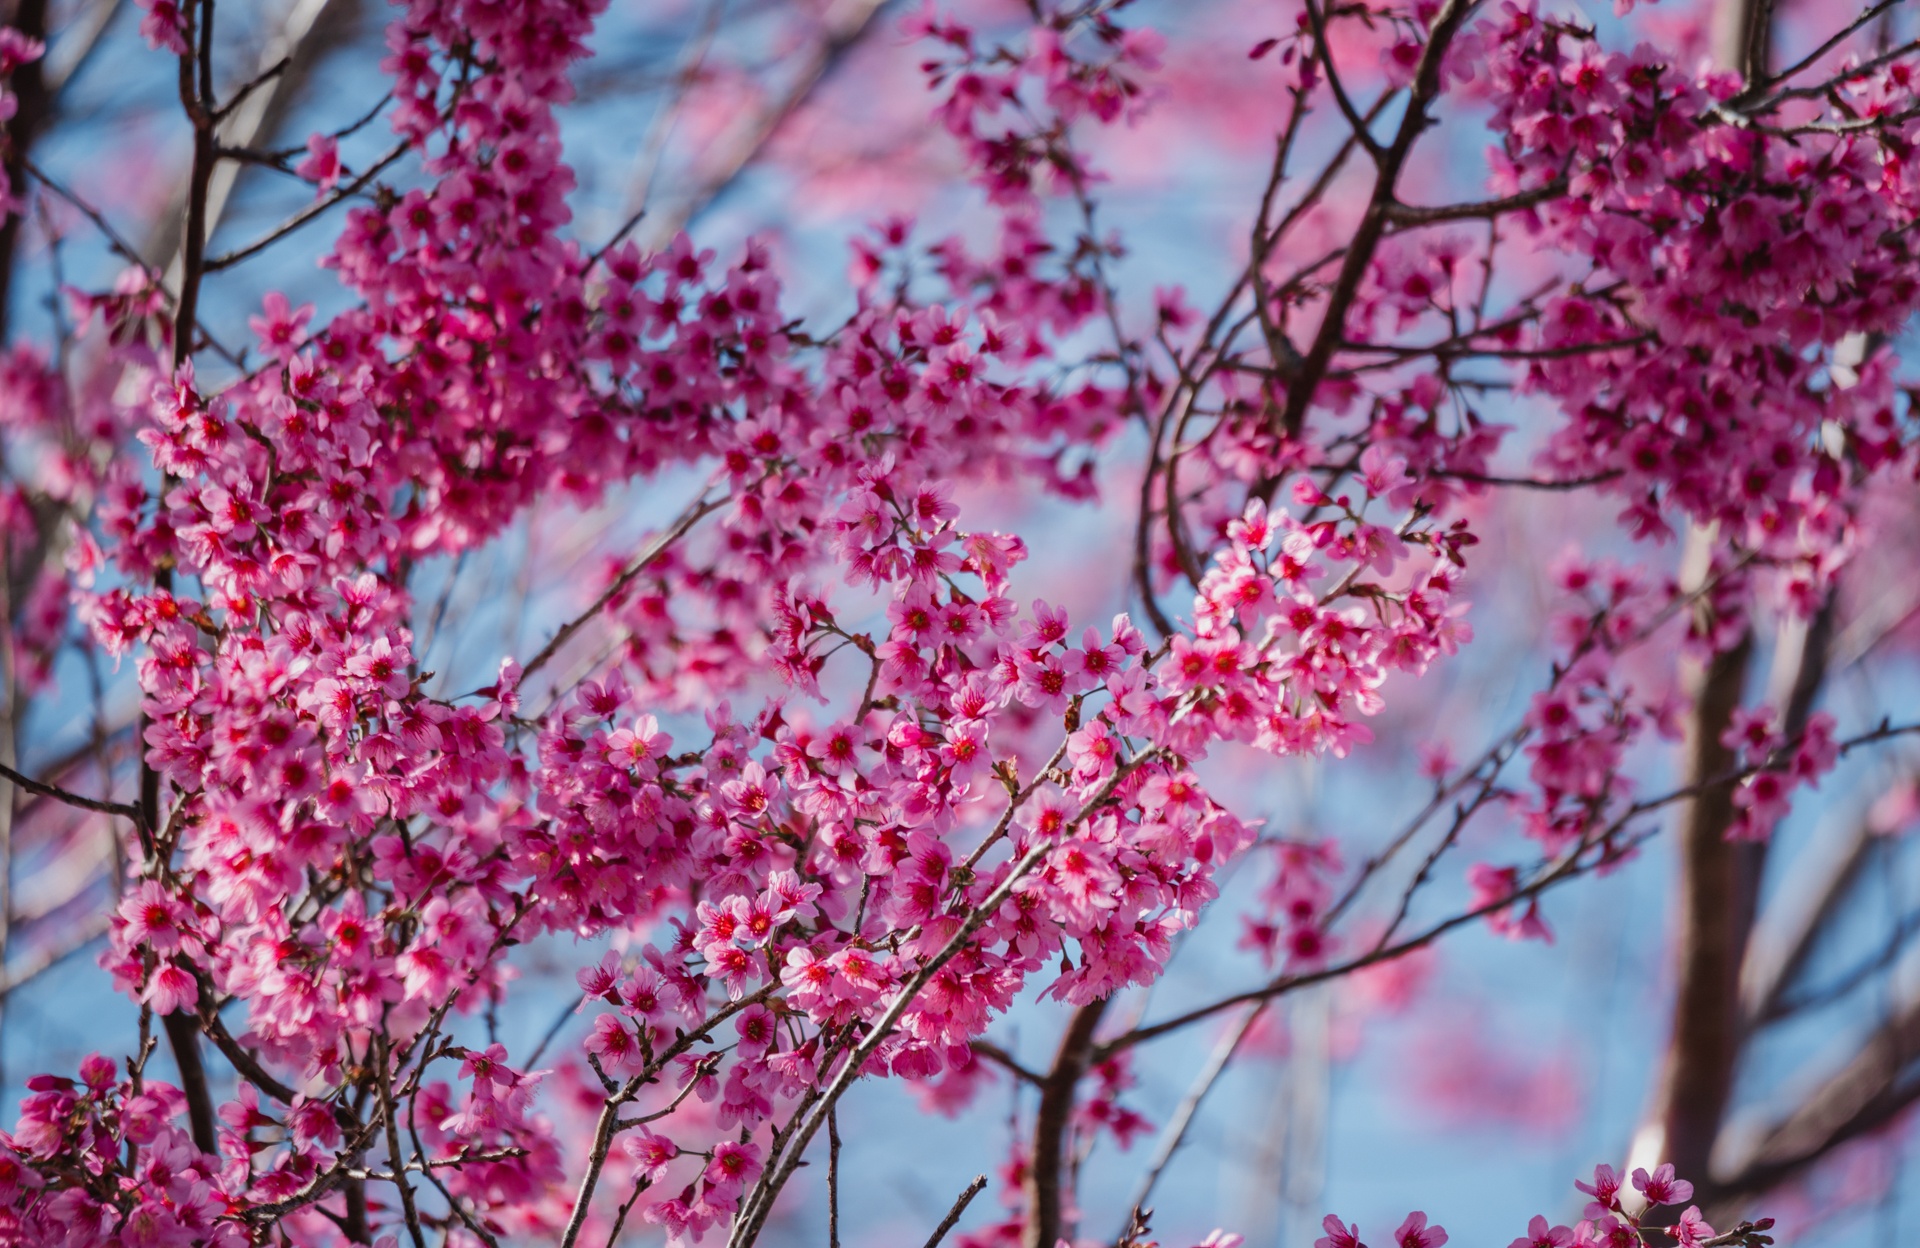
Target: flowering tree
[{"x": 820, "y": 789}]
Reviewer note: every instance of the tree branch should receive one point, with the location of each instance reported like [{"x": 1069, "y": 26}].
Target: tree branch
[
  {"x": 1863, "y": 1095},
  {"x": 1176, "y": 1129},
  {"x": 1050, "y": 1123},
  {"x": 759, "y": 1203},
  {"x": 1718, "y": 880},
  {"x": 1316, "y": 21},
  {"x": 844, "y": 32},
  {"x": 700, "y": 508},
  {"x": 32, "y": 106},
  {"x": 1410, "y": 215},
  {"x": 29, "y": 784},
  {"x": 965, "y": 1198},
  {"x": 1374, "y": 221},
  {"x": 184, "y": 1038}
]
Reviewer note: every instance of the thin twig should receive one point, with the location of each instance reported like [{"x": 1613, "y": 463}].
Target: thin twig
[
  {"x": 227, "y": 260},
  {"x": 1570, "y": 865},
  {"x": 974, "y": 1188},
  {"x": 126, "y": 809},
  {"x": 1324, "y": 53},
  {"x": 833, "y": 1179},
  {"x": 533, "y": 1058},
  {"x": 1374, "y": 220},
  {"x": 1176, "y": 1128},
  {"x": 692, "y": 515}
]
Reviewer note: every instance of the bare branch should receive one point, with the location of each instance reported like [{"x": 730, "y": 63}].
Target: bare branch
[
  {"x": 1175, "y": 1131},
  {"x": 305, "y": 31},
  {"x": 1324, "y": 54},
  {"x": 947, "y": 1223},
  {"x": 341, "y": 193},
  {"x": 999, "y": 1056},
  {"x": 184, "y": 1038},
  {"x": 1572, "y": 864},
  {"x": 1863, "y": 1095},
  {"x": 1374, "y": 220},
  {"x": 55, "y": 793},
  {"x": 1409, "y": 215},
  {"x": 847, "y": 24},
  {"x": 1812, "y": 58},
  {"x": 833, "y": 1179},
  {"x": 32, "y": 106},
  {"x": 1043, "y": 1184},
  {"x": 700, "y": 508},
  {"x": 383, "y": 1084}
]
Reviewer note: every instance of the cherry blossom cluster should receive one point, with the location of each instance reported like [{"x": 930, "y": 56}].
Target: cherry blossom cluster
[
  {"x": 914, "y": 794},
  {"x": 101, "y": 1159},
  {"x": 1614, "y": 1218},
  {"x": 1290, "y": 924},
  {"x": 1745, "y": 252}
]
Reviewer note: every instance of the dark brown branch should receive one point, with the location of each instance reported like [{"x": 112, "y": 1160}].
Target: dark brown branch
[
  {"x": 833, "y": 1179},
  {"x": 688, "y": 518},
  {"x": 184, "y": 1037},
  {"x": 1529, "y": 483},
  {"x": 253, "y": 84},
  {"x": 1818, "y": 90},
  {"x": 1835, "y": 40},
  {"x": 196, "y": 98},
  {"x": 1718, "y": 882},
  {"x": 354, "y": 1224},
  {"x": 182, "y": 1034},
  {"x": 125, "y": 809},
  {"x": 1745, "y": 38},
  {"x": 620, "y": 1219},
  {"x": 965, "y": 1198},
  {"x": 227, "y": 259},
  {"x": 383, "y": 1085},
  {"x": 308, "y": 28},
  {"x": 1374, "y": 220},
  {"x": 1410, "y": 215},
  {"x": 1000, "y": 1057},
  {"x": 1044, "y": 1167},
  {"x": 1323, "y": 52},
  {"x": 248, "y": 1066},
  {"x": 1571, "y": 865},
  {"x": 32, "y": 107}
]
